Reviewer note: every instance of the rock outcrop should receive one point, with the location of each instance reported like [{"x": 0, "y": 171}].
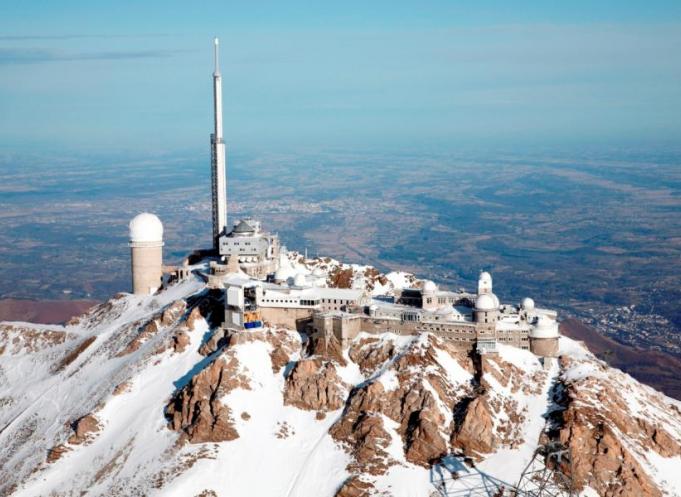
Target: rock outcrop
[
  {"x": 608, "y": 446},
  {"x": 355, "y": 487},
  {"x": 197, "y": 409},
  {"x": 84, "y": 429},
  {"x": 413, "y": 401},
  {"x": 315, "y": 385},
  {"x": 475, "y": 435}
]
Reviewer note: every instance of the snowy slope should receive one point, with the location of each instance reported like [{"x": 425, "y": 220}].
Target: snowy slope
[{"x": 393, "y": 415}]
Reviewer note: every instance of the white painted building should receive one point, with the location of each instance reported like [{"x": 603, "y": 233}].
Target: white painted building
[{"x": 256, "y": 251}]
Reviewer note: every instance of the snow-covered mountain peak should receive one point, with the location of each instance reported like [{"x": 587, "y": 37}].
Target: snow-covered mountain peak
[{"x": 149, "y": 396}]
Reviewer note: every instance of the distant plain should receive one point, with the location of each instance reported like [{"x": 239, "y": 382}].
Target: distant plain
[{"x": 589, "y": 234}]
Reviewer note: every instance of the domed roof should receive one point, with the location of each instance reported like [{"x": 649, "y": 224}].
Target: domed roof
[
  {"x": 528, "y": 304},
  {"x": 429, "y": 287},
  {"x": 485, "y": 276},
  {"x": 487, "y": 302},
  {"x": 243, "y": 228},
  {"x": 545, "y": 328},
  {"x": 299, "y": 280},
  {"x": 146, "y": 227}
]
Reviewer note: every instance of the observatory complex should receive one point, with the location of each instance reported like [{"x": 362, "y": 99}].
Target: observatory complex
[{"x": 264, "y": 286}]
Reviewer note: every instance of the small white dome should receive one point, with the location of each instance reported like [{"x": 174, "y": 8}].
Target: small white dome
[
  {"x": 429, "y": 287},
  {"x": 545, "y": 328},
  {"x": 146, "y": 227},
  {"x": 487, "y": 302},
  {"x": 528, "y": 304},
  {"x": 485, "y": 283},
  {"x": 299, "y": 280}
]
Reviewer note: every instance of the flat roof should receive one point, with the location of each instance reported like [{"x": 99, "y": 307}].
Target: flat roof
[{"x": 316, "y": 292}]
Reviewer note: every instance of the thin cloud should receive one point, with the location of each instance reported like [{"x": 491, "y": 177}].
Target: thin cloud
[{"x": 16, "y": 56}]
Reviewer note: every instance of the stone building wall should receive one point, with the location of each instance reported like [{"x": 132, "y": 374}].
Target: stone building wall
[{"x": 291, "y": 318}]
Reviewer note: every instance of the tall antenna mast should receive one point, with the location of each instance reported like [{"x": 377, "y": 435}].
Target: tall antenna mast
[{"x": 218, "y": 159}]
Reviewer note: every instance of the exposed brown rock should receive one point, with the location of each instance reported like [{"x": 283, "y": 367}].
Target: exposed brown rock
[
  {"x": 340, "y": 278},
  {"x": 18, "y": 338},
  {"x": 56, "y": 452},
  {"x": 604, "y": 440},
  {"x": 279, "y": 359},
  {"x": 600, "y": 460},
  {"x": 367, "y": 441},
  {"x": 425, "y": 443},
  {"x": 354, "y": 487},
  {"x": 73, "y": 355},
  {"x": 207, "y": 493},
  {"x": 149, "y": 329},
  {"x": 411, "y": 404},
  {"x": 475, "y": 435},
  {"x": 197, "y": 409},
  {"x": 180, "y": 341},
  {"x": 173, "y": 312},
  {"x": 194, "y": 316},
  {"x": 168, "y": 317},
  {"x": 314, "y": 385},
  {"x": 84, "y": 429},
  {"x": 284, "y": 430},
  {"x": 327, "y": 347},
  {"x": 218, "y": 339},
  {"x": 121, "y": 388},
  {"x": 369, "y": 355}
]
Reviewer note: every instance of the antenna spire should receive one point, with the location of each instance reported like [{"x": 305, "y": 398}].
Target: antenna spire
[{"x": 217, "y": 43}]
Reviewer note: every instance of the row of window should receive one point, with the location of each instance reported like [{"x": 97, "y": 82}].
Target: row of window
[
  {"x": 280, "y": 301},
  {"x": 336, "y": 301},
  {"x": 432, "y": 327},
  {"x": 307, "y": 302}
]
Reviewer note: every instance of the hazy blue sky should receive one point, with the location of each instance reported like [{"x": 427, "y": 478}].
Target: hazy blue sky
[{"x": 87, "y": 75}]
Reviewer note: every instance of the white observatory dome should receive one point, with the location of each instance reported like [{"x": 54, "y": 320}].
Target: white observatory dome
[
  {"x": 545, "y": 328},
  {"x": 299, "y": 280},
  {"x": 146, "y": 227},
  {"x": 487, "y": 302},
  {"x": 429, "y": 287},
  {"x": 528, "y": 304}
]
